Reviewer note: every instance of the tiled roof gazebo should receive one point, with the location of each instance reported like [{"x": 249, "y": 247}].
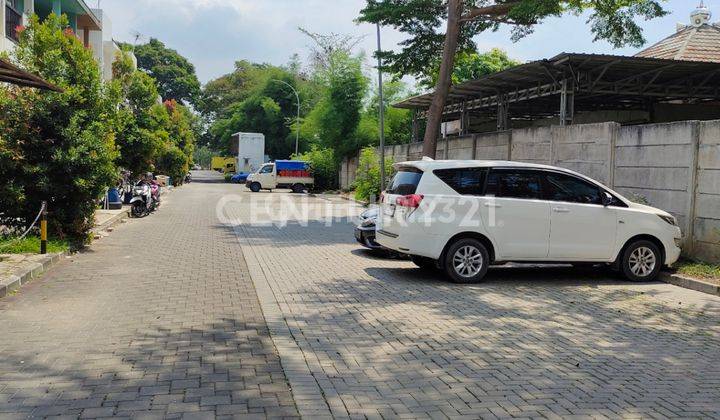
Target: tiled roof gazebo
[{"x": 699, "y": 41}]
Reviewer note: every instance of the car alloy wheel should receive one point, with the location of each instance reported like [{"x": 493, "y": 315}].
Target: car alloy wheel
[
  {"x": 642, "y": 261},
  {"x": 467, "y": 261}
]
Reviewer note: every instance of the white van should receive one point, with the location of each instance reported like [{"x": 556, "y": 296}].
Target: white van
[{"x": 462, "y": 216}]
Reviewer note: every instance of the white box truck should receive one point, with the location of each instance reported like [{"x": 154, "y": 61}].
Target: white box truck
[{"x": 251, "y": 151}]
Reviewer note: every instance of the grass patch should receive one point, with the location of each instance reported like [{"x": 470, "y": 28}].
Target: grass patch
[
  {"x": 699, "y": 270},
  {"x": 30, "y": 245}
]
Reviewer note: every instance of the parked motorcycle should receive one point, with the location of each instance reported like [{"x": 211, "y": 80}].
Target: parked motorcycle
[
  {"x": 188, "y": 178},
  {"x": 144, "y": 201}
]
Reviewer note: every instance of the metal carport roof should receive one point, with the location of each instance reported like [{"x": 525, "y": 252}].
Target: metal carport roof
[{"x": 595, "y": 82}]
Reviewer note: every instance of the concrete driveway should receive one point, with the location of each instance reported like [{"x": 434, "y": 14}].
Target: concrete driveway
[
  {"x": 364, "y": 336},
  {"x": 186, "y": 315}
]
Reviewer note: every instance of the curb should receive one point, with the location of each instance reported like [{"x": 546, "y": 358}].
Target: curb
[
  {"x": 111, "y": 222},
  {"x": 690, "y": 283},
  {"x": 16, "y": 280},
  {"x": 307, "y": 392},
  {"x": 353, "y": 200}
]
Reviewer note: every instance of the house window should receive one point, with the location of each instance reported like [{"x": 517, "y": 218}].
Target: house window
[{"x": 13, "y": 19}]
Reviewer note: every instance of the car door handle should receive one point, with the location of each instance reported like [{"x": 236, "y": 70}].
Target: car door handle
[
  {"x": 561, "y": 210},
  {"x": 493, "y": 205}
]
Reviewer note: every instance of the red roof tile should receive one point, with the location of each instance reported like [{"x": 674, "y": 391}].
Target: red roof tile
[{"x": 690, "y": 44}]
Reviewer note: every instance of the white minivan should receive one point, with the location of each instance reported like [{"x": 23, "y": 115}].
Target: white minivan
[{"x": 463, "y": 216}]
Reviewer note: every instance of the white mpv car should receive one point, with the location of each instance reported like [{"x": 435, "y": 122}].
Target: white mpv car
[{"x": 463, "y": 216}]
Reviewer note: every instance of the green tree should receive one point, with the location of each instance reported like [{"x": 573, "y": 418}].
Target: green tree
[
  {"x": 57, "y": 147},
  {"x": 398, "y": 122},
  {"x": 174, "y": 74},
  {"x": 152, "y": 136},
  {"x": 178, "y": 153},
  {"x": 251, "y": 100},
  {"x": 334, "y": 121},
  {"x": 248, "y": 78},
  {"x": 611, "y": 20},
  {"x": 136, "y": 124},
  {"x": 470, "y": 66}
]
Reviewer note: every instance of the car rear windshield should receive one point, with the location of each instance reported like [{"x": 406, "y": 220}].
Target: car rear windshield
[{"x": 405, "y": 181}]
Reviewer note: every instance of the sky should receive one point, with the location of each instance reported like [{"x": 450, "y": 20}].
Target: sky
[{"x": 213, "y": 34}]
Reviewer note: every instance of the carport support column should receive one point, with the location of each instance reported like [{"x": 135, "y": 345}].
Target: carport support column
[
  {"x": 567, "y": 102},
  {"x": 502, "y": 113},
  {"x": 464, "y": 120},
  {"x": 415, "y": 127}
]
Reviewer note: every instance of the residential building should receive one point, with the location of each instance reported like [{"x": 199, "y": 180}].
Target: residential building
[{"x": 91, "y": 26}]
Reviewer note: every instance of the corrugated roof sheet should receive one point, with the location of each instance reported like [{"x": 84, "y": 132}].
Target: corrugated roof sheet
[{"x": 10, "y": 73}]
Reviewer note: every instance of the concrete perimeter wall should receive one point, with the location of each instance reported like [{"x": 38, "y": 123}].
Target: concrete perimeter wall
[{"x": 674, "y": 166}]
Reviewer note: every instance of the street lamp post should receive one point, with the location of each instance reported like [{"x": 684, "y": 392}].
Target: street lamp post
[
  {"x": 382, "y": 113},
  {"x": 297, "y": 96}
]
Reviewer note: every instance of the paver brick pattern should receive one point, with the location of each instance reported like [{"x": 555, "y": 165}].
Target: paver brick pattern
[
  {"x": 160, "y": 319},
  {"x": 383, "y": 339}
]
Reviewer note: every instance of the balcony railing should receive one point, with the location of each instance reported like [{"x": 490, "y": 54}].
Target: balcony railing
[{"x": 13, "y": 20}]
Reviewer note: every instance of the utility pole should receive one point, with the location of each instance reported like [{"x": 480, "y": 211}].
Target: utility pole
[
  {"x": 297, "y": 96},
  {"x": 382, "y": 113}
]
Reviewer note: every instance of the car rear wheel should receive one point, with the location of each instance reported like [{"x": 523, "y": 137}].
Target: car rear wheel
[
  {"x": 298, "y": 188},
  {"x": 641, "y": 261},
  {"x": 467, "y": 261},
  {"x": 255, "y": 187}
]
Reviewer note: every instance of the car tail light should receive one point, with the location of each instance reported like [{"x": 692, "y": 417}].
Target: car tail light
[{"x": 412, "y": 201}]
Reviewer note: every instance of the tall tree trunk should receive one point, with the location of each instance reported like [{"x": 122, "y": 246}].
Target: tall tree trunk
[{"x": 442, "y": 89}]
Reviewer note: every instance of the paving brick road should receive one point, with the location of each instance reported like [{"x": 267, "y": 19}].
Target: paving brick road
[
  {"x": 379, "y": 338},
  {"x": 160, "y": 319},
  {"x": 163, "y": 318}
]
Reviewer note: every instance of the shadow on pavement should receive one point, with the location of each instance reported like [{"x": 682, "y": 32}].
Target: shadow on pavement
[
  {"x": 525, "y": 343},
  {"x": 227, "y": 367}
]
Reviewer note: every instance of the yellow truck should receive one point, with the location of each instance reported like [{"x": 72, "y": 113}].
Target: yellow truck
[{"x": 226, "y": 165}]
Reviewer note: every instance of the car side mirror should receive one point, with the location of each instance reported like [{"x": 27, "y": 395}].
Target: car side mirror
[{"x": 607, "y": 199}]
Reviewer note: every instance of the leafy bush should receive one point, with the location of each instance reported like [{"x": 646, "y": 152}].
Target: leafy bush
[
  {"x": 325, "y": 168},
  {"x": 56, "y": 146},
  {"x": 367, "y": 182}
]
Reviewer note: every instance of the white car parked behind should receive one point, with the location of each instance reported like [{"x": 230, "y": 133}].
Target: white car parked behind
[{"x": 463, "y": 216}]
